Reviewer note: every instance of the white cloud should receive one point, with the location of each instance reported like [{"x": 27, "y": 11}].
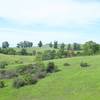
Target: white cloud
[
  {"x": 14, "y": 36},
  {"x": 52, "y": 12}
]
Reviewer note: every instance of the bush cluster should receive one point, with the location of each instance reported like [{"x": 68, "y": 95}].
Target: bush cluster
[
  {"x": 8, "y": 74},
  {"x": 2, "y": 84},
  {"x": 3, "y": 64},
  {"x": 51, "y": 67},
  {"x": 66, "y": 64},
  {"x": 27, "y": 74},
  {"x": 18, "y": 82},
  {"x": 26, "y": 80},
  {"x": 84, "y": 64}
]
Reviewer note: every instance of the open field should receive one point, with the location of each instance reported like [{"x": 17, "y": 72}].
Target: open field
[
  {"x": 49, "y": 50},
  {"x": 12, "y": 58},
  {"x": 71, "y": 83},
  {"x": 30, "y": 50}
]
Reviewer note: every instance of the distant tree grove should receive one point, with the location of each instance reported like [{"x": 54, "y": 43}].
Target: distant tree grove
[{"x": 58, "y": 50}]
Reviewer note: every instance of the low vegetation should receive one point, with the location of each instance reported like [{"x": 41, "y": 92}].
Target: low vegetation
[
  {"x": 84, "y": 64},
  {"x": 44, "y": 73},
  {"x": 2, "y": 84}
]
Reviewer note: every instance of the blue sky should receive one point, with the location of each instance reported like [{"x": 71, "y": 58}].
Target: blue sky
[{"x": 49, "y": 20}]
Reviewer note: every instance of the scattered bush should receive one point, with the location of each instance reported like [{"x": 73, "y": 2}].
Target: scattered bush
[
  {"x": 79, "y": 53},
  {"x": 8, "y": 74},
  {"x": 11, "y": 51},
  {"x": 51, "y": 67},
  {"x": 18, "y": 61},
  {"x": 48, "y": 54},
  {"x": 34, "y": 80},
  {"x": 66, "y": 64},
  {"x": 24, "y": 69},
  {"x": 2, "y": 84},
  {"x": 29, "y": 79},
  {"x": 34, "y": 52},
  {"x": 23, "y": 52},
  {"x": 84, "y": 64},
  {"x": 3, "y": 64},
  {"x": 19, "y": 82},
  {"x": 41, "y": 74}
]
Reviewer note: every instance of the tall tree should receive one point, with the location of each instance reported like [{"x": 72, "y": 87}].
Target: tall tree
[
  {"x": 24, "y": 44},
  {"x": 69, "y": 47},
  {"x": 90, "y": 48},
  {"x": 50, "y": 45},
  {"x": 62, "y": 46},
  {"x": 76, "y": 46},
  {"x": 5, "y": 44},
  {"x": 40, "y": 44},
  {"x": 55, "y": 44}
]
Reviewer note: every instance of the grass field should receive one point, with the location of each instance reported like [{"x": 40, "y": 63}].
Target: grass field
[
  {"x": 12, "y": 58},
  {"x": 71, "y": 83},
  {"x": 30, "y": 50}
]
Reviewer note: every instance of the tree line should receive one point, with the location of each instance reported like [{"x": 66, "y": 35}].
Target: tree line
[
  {"x": 28, "y": 44},
  {"x": 60, "y": 50}
]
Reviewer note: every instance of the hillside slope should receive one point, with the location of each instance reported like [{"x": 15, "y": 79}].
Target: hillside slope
[{"x": 71, "y": 83}]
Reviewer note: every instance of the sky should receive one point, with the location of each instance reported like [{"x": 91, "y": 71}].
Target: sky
[{"x": 49, "y": 20}]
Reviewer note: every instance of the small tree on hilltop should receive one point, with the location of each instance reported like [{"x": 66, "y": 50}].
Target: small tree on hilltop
[
  {"x": 23, "y": 52},
  {"x": 90, "y": 48},
  {"x": 55, "y": 44},
  {"x": 62, "y": 46},
  {"x": 40, "y": 44},
  {"x": 69, "y": 47},
  {"x": 50, "y": 45},
  {"x": 5, "y": 44}
]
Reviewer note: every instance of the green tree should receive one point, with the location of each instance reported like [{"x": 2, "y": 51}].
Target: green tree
[
  {"x": 2, "y": 84},
  {"x": 48, "y": 54},
  {"x": 11, "y": 51},
  {"x": 62, "y": 46},
  {"x": 69, "y": 47},
  {"x": 38, "y": 60},
  {"x": 40, "y": 44},
  {"x": 50, "y": 45},
  {"x": 23, "y": 52},
  {"x": 5, "y": 44},
  {"x": 55, "y": 44},
  {"x": 90, "y": 48},
  {"x": 60, "y": 52},
  {"x": 25, "y": 44},
  {"x": 76, "y": 46}
]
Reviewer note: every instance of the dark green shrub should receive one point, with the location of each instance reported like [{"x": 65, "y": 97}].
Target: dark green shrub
[
  {"x": 41, "y": 74},
  {"x": 18, "y": 61},
  {"x": 8, "y": 74},
  {"x": 66, "y": 64},
  {"x": 84, "y": 64},
  {"x": 24, "y": 69},
  {"x": 19, "y": 82},
  {"x": 48, "y": 54},
  {"x": 11, "y": 51},
  {"x": 51, "y": 67},
  {"x": 30, "y": 79},
  {"x": 3, "y": 64},
  {"x": 23, "y": 52},
  {"x": 2, "y": 84},
  {"x": 79, "y": 53},
  {"x": 34, "y": 80}
]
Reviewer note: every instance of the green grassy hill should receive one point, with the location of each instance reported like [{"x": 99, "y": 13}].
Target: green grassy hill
[
  {"x": 30, "y": 50},
  {"x": 71, "y": 83},
  {"x": 11, "y": 59}
]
